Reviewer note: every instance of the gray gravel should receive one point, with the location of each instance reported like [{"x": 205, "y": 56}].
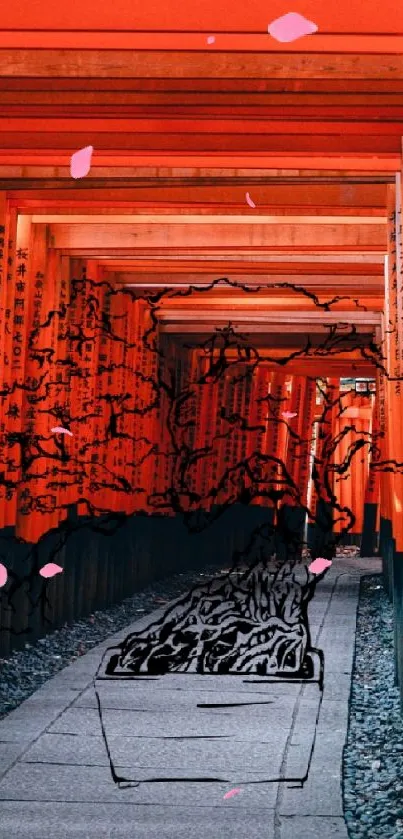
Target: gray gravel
[
  {"x": 373, "y": 755},
  {"x": 23, "y": 672}
]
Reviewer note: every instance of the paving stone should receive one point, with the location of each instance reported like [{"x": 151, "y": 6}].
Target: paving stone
[
  {"x": 169, "y": 757},
  {"x": 31, "y": 718},
  {"x": 36, "y": 820},
  {"x": 9, "y": 753},
  {"x": 337, "y": 686},
  {"x": 166, "y": 757},
  {"x": 68, "y": 749},
  {"x": 308, "y": 827},
  {"x": 47, "y": 782},
  {"x": 319, "y": 796}
]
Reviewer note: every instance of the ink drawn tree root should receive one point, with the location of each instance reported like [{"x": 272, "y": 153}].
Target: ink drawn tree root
[{"x": 257, "y": 623}]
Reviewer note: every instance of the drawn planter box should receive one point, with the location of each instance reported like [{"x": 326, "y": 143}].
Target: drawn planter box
[{"x": 210, "y": 728}]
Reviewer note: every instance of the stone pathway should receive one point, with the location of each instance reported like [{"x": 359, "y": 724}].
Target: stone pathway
[{"x": 55, "y": 778}]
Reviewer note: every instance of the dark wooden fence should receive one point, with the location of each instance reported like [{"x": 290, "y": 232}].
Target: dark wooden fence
[{"x": 101, "y": 569}]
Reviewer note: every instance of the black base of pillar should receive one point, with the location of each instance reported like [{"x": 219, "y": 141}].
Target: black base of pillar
[
  {"x": 289, "y": 537},
  {"x": 386, "y": 552},
  {"x": 321, "y": 540},
  {"x": 350, "y": 539},
  {"x": 398, "y": 618},
  {"x": 368, "y": 542}
]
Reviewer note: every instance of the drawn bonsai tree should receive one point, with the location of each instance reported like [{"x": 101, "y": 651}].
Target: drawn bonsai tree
[{"x": 250, "y": 622}]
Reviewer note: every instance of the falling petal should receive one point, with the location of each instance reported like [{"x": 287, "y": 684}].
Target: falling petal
[
  {"x": 3, "y": 575},
  {"x": 318, "y": 565},
  {"x": 291, "y": 26},
  {"x": 80, "y": 163},
  {"x": 232, "y": 792},
  {"x": 249, "y": 201},
  {"x": 58, "y": 429},
  {"x": 211, "y": 39},
  {"x": 288, "y": 415},
  {"x": 50, "y": 569}
]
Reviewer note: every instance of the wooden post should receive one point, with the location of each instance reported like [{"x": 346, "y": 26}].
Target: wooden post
[
  {"x": 397, "y": 431},
  {"x": 323, "y": 539},
  {"x": 7, "y": 246},
  {"x": 385, "y": 524},
  {"x": 371, "y": 500}
]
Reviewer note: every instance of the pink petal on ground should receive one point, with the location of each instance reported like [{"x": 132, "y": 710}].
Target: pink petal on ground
[
  {"x": 288, "y": 414},
  {"x": 249, "y": 201},
  {"x": 3, "y": 575},
  {"x": 50, "y": 569},
  {"x": 211, "y": 39},
  {"x": 318, "y": 565},
  {"x": 58, "y": 429},
  {"x": 232, "y": 792},
  {"x": 80, "y": 163},
  {"x": 291, "y": 26}
]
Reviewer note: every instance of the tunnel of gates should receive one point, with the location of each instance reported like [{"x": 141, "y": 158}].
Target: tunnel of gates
[{"x": 182, "y": 447}]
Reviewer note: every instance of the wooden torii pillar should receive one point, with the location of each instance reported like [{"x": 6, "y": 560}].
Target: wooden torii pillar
[
  {"x": 390, "y": 424},
  {"x": 321, "y": 542},
  {"x": 371, "y": 497}
]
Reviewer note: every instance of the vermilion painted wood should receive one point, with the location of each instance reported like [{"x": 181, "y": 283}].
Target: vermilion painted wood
[{"x": 343, "y": 18}]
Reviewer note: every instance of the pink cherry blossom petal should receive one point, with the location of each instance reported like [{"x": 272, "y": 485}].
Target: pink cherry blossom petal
[
  {"x": 249, "y": 201},
  {"x": 288, "y": 414},
  {"x": 58, "y": 429},
  {"x": 232, "y": 792},
  {"x": 211, "y": 39},
  {"x": 3, "y": 575},
  {"x": 80, "y": 163},
  {"x": 50, "y": 569},
  {"x": 290, "y": 27},
  {"x": 318, "y": 565}
]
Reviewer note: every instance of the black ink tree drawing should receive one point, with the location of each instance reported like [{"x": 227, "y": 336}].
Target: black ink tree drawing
[{"x": 254, "y": 621}]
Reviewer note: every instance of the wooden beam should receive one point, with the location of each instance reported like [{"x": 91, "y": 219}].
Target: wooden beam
[
  {"x": 365, "y": 199},
  {"x": 196, "y": 126},
  {"x": 374, "y": 103},
  {"x": 240, "y": 146},
  {"x": 278, "y": 303},
  {"x": 375, "y": 87},
  {"x": 366, "y": 284},
  {"x": 107, "y": 169},
  {"x": 329, "y": 284},
  {"x": 196, "y": 41},
  {"x": 315, "y": 321},
  {"x": 206, "y": 186},
  {"x": 317, "y": 369},
  {"x": 96, "y": 64},
  {"x": 344, "y": 18},
  {"x": 326, "y": 255},
  {"x": 247, "y": 218},
  {"x": 128, "y": 236},
  {"x": 60, "y": 213},
  {"x": 188, "y": 104}
]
